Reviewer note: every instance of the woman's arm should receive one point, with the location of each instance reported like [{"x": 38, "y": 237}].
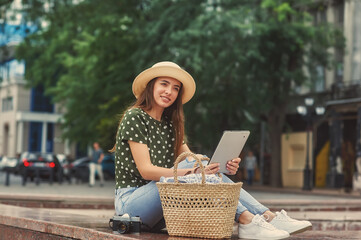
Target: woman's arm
[
  {"x": 232, "y": 165},
  {"x": 185, "y": 148},
  {"x": 148, "y": 171},
  {"x": 209, "y": 169}
]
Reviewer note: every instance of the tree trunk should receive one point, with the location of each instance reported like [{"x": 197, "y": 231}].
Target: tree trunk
[{"x": 276, "y": 119}]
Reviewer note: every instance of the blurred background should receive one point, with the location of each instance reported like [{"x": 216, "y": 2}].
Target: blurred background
[{"x": 289, "y": 71}]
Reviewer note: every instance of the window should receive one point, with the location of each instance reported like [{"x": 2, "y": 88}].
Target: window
[
  {"x": 7, "y": 104},
  {"x": 320, "y": 79},
  {"x": 39, "y": 101},
  {"x": 340, "y": 12},
  {"x": 12, "y": 70}
]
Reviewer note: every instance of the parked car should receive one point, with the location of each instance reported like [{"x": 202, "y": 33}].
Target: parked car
[
  {"x": 79, "y": 169},
  {"x": 65, "y": 163},
  {"x": 108, "y": 167},
  {"x": 61, "y": 158},
  {"x": 44, "y": 163},
  {"x": 9, "y": 164}
]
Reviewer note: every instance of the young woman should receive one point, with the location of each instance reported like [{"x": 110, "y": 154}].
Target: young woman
[{"x": 150, "y": 137}]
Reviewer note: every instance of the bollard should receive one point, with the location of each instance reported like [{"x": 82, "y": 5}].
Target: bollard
[
  {"x": 60, "y": 176},
  {"x": 24, "y": 176},
  {"x": 51, "y": 176},
  {"x": 7, "y": 179},
  {"x": 37, "y": 176}
]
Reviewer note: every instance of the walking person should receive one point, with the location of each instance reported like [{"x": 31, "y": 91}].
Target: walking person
[
  {"x": 150, "y": 136},
  {"x": 95, "y": 166},
  {"x": 251, "y": 164}
]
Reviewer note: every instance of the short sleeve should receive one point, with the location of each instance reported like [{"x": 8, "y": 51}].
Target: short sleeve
[{"x": 133, "y": 127}]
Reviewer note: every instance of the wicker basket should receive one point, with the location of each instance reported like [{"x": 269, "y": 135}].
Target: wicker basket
[{"x": 199, "y": 209}]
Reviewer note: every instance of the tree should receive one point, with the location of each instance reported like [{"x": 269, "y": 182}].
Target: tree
[
  {"x": 81, "y": 57},
  {"x": 245, "y": 55}
]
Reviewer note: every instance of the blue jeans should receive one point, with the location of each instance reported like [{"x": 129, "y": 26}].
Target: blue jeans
[{"x": 145, "y": 201}]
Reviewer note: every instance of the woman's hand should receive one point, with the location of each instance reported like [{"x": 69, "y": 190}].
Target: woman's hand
[
  {"x": 208, "y": 169},
  {"x": 233, "y": 165}
]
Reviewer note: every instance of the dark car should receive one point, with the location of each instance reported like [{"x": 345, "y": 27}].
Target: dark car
[
  {"x": 35, "y": 165},
  {"x": 108, "y": 166},
  {"x": 79, "y": 169}
]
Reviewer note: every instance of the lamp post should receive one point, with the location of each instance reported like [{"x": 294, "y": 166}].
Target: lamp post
[{"x": 307, "y": 111}]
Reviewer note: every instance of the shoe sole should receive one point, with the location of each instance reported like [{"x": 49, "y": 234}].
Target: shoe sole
[
  {"x": 252, "y": 238},
  {"x": 302, "y": 230}
]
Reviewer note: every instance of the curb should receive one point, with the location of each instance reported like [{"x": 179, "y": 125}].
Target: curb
[{"x": 54, "y": 201}]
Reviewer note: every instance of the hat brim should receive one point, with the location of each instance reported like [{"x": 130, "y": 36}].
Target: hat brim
[{"x": 188, "y": 84}]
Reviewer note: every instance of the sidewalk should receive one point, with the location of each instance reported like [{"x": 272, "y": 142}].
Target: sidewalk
[
  {"x": 80, "y": 212},
  {"x": 315, "y": 191},
  {"x": 27, "y": 223}
]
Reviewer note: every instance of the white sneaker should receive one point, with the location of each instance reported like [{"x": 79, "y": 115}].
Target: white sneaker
[
  {"x": 260, "y": 229},
  {"x": 284, "y": 222}
]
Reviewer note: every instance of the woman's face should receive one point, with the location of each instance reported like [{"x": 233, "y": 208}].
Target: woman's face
[{"x": 166, "y": 90}]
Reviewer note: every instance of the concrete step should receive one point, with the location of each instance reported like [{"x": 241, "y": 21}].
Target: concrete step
[
  {"x": 57, "y": 201},
  {"x": 88, "y": 202},
  {"x": 314, "y": 205},
  {"x": 27, "y": 223}
]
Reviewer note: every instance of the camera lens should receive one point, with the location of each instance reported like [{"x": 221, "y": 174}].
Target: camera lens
[{"x": 123, "y": 227}]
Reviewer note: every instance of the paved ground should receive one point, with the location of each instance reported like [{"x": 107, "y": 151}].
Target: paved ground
[
  {"x": 82, "y": 189},
  {"x": 64, "y": 189},
  {"x": 328, "y": 223}
]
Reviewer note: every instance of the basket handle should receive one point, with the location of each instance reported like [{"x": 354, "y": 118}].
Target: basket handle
[{"x": 183, "y": 156}]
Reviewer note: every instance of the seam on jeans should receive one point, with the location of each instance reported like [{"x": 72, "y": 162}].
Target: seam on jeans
[
  {"x": 143, "y": 194},
  {"x": 121, "y": 199}
]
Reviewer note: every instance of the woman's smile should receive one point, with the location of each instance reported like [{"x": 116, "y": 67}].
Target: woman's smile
[
  {"x": 166, "y": 90},
  {"x": 166, "y": 99}
]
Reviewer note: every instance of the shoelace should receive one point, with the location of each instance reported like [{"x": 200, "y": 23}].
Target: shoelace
[
  {"x": 283, "y": 215},
  {"x": 260, "y": 221}
]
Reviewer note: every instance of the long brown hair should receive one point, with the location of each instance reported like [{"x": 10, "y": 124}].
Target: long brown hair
[{"x": 174, "y": 112}]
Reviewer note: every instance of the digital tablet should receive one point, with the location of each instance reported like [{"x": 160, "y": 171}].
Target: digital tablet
[{"x": 229, "y": 147}]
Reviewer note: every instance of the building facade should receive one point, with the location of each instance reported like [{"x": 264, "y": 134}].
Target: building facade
[
  {"x": 29, "y": 121},
  {"x": 336, "y": 143}
]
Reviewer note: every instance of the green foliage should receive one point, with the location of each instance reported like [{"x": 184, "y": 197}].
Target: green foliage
[
  {"x": 82, "y": 58},
  {"x": 245, "y": 55}
]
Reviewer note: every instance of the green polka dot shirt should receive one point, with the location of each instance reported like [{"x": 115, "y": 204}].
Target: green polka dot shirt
[{"x": 139, "y": 127}]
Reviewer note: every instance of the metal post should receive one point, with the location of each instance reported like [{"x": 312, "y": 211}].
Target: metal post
[
  {"x": 307, "y": 170},
  {"x": 51, "y": 180},
  {"x": 358, "y": 132},
  {"x": 7, "y": 180},
  {"x": 261, "y": 155},
  {"x": 37, "y": 176},
  {"x": 25, "y": 173}
]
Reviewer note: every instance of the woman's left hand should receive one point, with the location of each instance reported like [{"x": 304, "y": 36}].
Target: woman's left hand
[{"x": 233, "y": 165}]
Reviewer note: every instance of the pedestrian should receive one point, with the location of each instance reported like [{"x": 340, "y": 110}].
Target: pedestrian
[
  {"x": 251, "y": 164},
  {"x": 149, "y": 138},
  {"x": 95, "y": 165}
]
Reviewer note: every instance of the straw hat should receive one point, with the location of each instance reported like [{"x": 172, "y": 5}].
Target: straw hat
[{"x": 165, "y": 69}]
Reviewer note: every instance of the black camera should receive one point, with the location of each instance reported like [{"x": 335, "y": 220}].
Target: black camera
[{"x": 125, "y": 224}]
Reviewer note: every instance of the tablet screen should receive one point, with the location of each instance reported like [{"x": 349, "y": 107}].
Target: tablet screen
[{"x": 229, "y": 147}]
